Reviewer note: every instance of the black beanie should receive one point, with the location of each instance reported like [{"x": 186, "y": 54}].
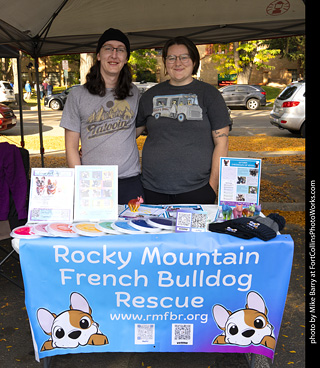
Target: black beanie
[
  {"x": 113, "y": 34},
  {"x": 264, "y": 228}
]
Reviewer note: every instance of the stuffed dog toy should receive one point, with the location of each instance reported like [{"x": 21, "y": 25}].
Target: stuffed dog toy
[
  {"x": 71, "y": 328},
  {"x": 245, "y": 326}
]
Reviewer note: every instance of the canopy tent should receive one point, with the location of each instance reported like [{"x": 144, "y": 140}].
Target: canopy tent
[{"x": 42, "y": 28}]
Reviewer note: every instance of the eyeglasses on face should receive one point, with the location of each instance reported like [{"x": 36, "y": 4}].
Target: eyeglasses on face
[
  {"x": 184, "y": 58},
  {"x": 109, "y": 49}
]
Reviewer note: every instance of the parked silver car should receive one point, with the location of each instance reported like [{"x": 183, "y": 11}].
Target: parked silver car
[{"x": 289, "y": 109}]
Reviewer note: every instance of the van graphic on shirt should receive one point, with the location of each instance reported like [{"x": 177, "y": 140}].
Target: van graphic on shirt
[{"x": 181, "y": 107}]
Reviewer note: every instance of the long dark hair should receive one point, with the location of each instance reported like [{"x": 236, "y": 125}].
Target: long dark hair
[
  {"x": 192, "y": 49},
  {"x": 96, "y": 86}
]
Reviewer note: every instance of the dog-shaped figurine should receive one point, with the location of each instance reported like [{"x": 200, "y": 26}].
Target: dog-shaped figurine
[
  {"x": 71, "y": 328},
  {"x": 134, "y": 204},
  {"x": 226, "y": 211},
  {"x": 237, "y": 211},
  {"x": 245, "y": 326}
]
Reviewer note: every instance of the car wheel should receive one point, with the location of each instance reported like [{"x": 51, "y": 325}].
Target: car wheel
[
  {"x": 55, "y": 105},
  {"x": 157, "y": 116},
  {"x": 253, "y": 104},
  {"x": 303, "y": 130}
]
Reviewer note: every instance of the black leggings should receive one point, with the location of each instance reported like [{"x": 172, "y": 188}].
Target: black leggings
[
  {"x": 129, "y": 188},
  {"x": 204, "y": 195}
]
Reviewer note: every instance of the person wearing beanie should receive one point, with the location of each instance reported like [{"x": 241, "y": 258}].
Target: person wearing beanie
[{"x": 102, "y": 112}]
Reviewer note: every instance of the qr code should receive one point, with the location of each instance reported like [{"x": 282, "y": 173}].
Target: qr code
[
  {"x": 184, "y": 219},
  {"x": 144, "y": 334},
  {"x": 35, "y": 213},
  {"x": 182, "y": 334},
  {"x": 199, "y": 220}
]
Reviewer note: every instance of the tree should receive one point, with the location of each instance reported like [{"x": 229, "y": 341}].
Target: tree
[
  {"x": 292, "y": 48},
  {"x": 57, "y": 59},
  {"x": 240, "y": 58},
  {"x": 144, "y": 65},
  {"x": 86, "y": 62}
]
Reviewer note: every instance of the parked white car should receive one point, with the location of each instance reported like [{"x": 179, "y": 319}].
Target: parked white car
[
  {"x": 289, "y": 109},
  {"x": 6, "y": 93}
]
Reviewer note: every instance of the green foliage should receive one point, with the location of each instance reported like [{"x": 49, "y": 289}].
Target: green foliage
[
  {"x": 249, "y": 53},
  {"x": 143, "y": 63},
  {"x": 292, "y": 48},
  {"x": 58, "y": 58}
]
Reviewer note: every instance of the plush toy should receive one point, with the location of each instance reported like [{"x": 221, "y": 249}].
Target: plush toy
[
  {"x": 237, "y": 211},
  {"x": 134, "y": 204},
  {"x": 226, "y": 212}
]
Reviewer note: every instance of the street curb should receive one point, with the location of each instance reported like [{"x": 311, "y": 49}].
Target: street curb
[
  {"x": 291, "y": 207},
  {"x": 259, "y": 154}
]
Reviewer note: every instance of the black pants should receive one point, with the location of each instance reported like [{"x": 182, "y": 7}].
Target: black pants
[
  {"x": 204, "y": 195},
  {"x": 129, "y": 188}
]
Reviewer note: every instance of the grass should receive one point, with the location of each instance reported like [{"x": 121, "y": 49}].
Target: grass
[
  {"x": 33, "y": 99},
  {"x": 271, "y": 93}
]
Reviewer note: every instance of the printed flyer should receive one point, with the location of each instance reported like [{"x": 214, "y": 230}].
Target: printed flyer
[
  {"x": 239, "y": 181},
  {"x": 51, "y": 195},
  {"x": 96, "y": 193}
]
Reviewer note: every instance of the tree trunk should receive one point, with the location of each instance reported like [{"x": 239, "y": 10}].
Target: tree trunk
[
  {"x": 236, "y": 56},
  {"x": 86, "y": 62},
  {"x": 15, "y": 62},
  {"x": 244, "y": 76}
]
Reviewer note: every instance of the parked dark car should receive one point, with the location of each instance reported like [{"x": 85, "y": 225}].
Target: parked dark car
[
  {"x": 8, "y": 119},
  {"x": 250, "y": 96},
  {"x": 58, "y": 100}
]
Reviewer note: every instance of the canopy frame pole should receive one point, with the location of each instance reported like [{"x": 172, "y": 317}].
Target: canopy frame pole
[
  {"x": 20, "y": 93},
  {"x": 36, "y": 61}
]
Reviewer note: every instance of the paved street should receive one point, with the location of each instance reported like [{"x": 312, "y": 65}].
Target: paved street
[
  {"x": 245, "y": 123},
  {"x": 248, "y": 122},
  {"x": 50, "y": 123}
]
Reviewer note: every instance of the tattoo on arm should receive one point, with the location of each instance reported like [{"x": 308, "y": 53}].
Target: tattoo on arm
[{"x": 219, "y": 135}]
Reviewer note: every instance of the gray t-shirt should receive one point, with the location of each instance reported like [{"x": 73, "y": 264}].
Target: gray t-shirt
[
  {"x": 177, "y": 154},
  {"x": 106, "y": 127}
]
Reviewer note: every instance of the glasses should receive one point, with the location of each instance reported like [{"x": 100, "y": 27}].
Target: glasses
[
  {"x": 109, "y": 50},
  {"x": 184, "y": 58}
]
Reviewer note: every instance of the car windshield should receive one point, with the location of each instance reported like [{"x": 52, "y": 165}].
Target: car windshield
[
  {"x": 287, "y": 93},
  {"x": 6, "y": 85}
]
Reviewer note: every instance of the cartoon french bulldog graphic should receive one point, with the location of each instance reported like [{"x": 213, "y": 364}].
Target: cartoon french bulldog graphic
[
  {"x": 71, "y": 328},
  {"x": 245, "y": 326}
]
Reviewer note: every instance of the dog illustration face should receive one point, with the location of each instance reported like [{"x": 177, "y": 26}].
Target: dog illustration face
[
  {"x": 71, "y": 328},
  {"x": 246, "y": 326}
]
